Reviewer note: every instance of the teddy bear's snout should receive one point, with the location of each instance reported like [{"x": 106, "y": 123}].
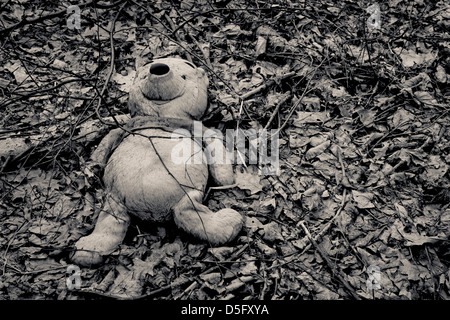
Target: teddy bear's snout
[
  {"x": 159, "y": 69},
  {"x": 163, "y": 83}
]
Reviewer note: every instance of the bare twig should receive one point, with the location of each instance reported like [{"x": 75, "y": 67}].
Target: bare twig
[
  {"x": 305, "y": 240},
  {"x": 172, "y": 26},
  {"x": 237, "y": 131},
  {"x": 267, "y": 84},
  {"x": 345, "y": 182},
  {"x": 62, "y": 12},
  {"x": 111, "y": 68},
  {"x": 34, "y": 92},
  {"x": 294, "y": 107},
  {"x": 337, "y": 272},
  {"x": 286, "y": 97},
  {"x": 5, "y": 257},
  {"x": 204, "y": 51},
  {"x": 264, "y": 275},
  {"x": 218, "y": 188},
  {"x": 176, "y": 283}
]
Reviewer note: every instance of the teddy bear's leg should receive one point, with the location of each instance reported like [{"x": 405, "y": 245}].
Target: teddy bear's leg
[
  {"x": 108, "y": 234},
  {"x": 195, "y": 218}
]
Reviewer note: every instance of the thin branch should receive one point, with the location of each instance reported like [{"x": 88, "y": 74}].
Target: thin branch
[
  {"x": 337, "y": 272},
  {"x": 34, "y": 92},
  {"x": 62, "y": 12},
  {"x": 294, "y": 107},
  {"x": 111, "y": 69},
  {"x": 267, "y": 84},
  {"x": 286, "y": 97},
  {"x": 172, "y": 27}
]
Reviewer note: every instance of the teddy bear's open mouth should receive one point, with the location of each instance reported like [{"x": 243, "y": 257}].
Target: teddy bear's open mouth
[{"x": 159, "y": 69}]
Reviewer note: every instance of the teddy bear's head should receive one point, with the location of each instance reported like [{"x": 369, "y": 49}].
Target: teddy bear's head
[{"x": 169, "y": 87}]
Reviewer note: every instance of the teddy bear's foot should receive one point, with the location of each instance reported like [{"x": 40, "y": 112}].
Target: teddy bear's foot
[
  {"x": 108, "y": 234},
  {"x": 89, "y": 252},
  {"x": 215, "y": 227}
]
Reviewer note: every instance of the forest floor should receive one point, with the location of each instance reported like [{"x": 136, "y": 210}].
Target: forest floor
[{"x": 359, "y": 94}]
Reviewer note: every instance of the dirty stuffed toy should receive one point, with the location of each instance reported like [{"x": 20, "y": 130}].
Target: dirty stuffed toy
[{"x": 140, "y": 174}]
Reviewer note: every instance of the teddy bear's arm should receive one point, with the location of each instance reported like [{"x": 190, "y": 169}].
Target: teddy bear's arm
[
  {"x": 219, "y": 166},
  {"x": 101, "y": 154}
]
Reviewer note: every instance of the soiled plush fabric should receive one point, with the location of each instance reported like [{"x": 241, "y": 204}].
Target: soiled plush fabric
[{"x": 141, "y": 175}]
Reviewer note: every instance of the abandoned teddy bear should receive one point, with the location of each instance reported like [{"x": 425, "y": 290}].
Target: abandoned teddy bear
[{"x": 140, "y": 175}]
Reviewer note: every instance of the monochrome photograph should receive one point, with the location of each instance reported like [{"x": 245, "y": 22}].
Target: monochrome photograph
[{"x": 225, "y": 157}]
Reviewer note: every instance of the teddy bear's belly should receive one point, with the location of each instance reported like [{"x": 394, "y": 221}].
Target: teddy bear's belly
[{"x": 136, "y": 174}]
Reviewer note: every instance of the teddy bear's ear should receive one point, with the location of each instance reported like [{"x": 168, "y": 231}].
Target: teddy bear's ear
[
  {"x": 144, "y": 57},
  {"x": 201, "y": 72},
  {"x": 202, "y": 77}
]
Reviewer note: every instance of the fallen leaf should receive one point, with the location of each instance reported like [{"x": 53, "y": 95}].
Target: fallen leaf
[
  {"x": 260, "y": 46},
  {"x": 252, "y": 222},
  {"x": 410, "y": 57},
  {"x": 425, "y": 98},
  {"x": 265, "y": 249},
  {"x": 314, "y": 152},
  {"x": 402, "y": 119},
  {"x": 248, "y": 181},
  {"x": 125, "y": 81},
  {"x": 249, "y": 268},
  {"x": 127, "y": 284},
  {"x": 19, "y": 72},
  {"x": 440, "y": 74},
  {"x": 435, "y": 169},
  {"x": 412, "y": 271},
  {"x": 221, "y": 253},
  {"x": 414, "y": 238},
  {"x": 367, "y": 117},
  {"x": 272, "y": 232},
  {"x": 310, "y": 117},
  {"x": 363, "y": 199}
]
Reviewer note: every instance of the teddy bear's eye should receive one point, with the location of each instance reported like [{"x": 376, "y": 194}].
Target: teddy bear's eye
[{"x": 190, "y": 64}]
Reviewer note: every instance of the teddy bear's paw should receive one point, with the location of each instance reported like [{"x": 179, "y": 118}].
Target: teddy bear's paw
[
  {"x": 215, "y": 227},
  {"x": 91, "y": 249},
  {"x": 86, "y": 258},
  {"x": 227, "y": 225}
]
